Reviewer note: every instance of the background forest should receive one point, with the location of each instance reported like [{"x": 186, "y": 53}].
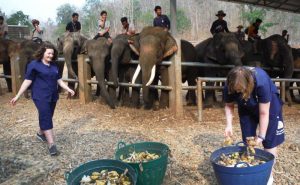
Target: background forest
[{"x": 194, "y": 17}]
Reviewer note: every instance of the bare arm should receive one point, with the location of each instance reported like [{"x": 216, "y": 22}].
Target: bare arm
[
  {"x": 264, "y": 109},
  {"x": 23, "y": 88},
  {"x": 64, "y": 86},
  {"x": 229, "y": 110}
]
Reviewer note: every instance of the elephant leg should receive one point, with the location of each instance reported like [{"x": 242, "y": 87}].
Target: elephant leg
[
  {"x": 112, "y": 90},
  {"x": 191, "y": 94},
  {"x": 209, "y": 96},
  {"x": 164, "y": 96},
  {"x": 7, "y": 71}
]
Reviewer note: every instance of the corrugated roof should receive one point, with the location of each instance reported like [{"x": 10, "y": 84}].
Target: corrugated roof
[{"x": 285, "y": 5}]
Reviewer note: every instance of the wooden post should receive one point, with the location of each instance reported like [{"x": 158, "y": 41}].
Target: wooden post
[
  {"x": 282, "y": 91},
  {"x": 199, "y": 99},
  {"x": 84, "y": 74},
  {"x": 173, "y": 17},
  {"x": 175, "y": 81},
  {"x": 15, "y": 75}
]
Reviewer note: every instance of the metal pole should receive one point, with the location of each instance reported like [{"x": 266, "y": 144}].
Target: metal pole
[
  {"x": 282, "y": 91},
  {"x": 199, "y": 99}
]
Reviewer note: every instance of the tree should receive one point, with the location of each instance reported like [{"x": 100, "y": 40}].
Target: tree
[
  {"x": 255, "y": 13},
  {"x": 64, "y": 13},
  {"x": 63, "y": 16},
  {"x": 19, "y": 18}
]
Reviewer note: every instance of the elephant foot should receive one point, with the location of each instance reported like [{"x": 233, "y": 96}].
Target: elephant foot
[
  {"x": 191, "y": 103},
  {"x": 147, "y": 107}
]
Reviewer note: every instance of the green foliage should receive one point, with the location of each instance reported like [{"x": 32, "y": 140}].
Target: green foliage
[
  {"x": 254, "y": 13},
  {"x": 19, "y": 18},
  {"x": 183, "y": 22},
  {"x": 61, "y": 28},
  {"x": 64, "y": 13}
]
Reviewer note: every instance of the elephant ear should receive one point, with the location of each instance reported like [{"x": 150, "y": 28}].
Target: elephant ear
[
  {"x": 171, "y": 47},
  {"x": 133, "y": 42}
]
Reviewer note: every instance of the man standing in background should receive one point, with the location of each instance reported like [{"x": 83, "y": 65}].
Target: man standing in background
[{"x": 161, "y": 20}]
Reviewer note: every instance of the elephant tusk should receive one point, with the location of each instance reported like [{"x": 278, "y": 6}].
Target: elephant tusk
[
  {"x": 152, "y": 75},
  {"x": 136, "y": 73}
]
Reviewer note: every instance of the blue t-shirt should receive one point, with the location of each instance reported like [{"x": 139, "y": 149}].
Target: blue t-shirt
[
  {"x": 44, "y": 80},
  {"x": 263, "y": 91},
  {"x": 162, "y": 21}
]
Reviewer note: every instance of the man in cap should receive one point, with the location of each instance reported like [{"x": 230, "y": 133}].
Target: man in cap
[
  {"x": 3, "y": 28},
  {"x": 160, "y": 19},
  {"x": 240, "y": 35},
  {"x": 219, "y": 25}
]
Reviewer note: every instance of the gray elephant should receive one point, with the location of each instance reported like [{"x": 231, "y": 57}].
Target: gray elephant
[
  {"x": 121, "y": 55},
  {"x": 273, "y": 51},
  {"x": 296, "y": 57},
  {"x": 7, "y": 50},
  {"x": 23, "y": 53},
  {"x": 153, "y": 44},
  {"x": 99, "y": 53},
  {"x": 70, "y": 45},
  {"x": 223, "y": 49},
  {"x": 189, "y": 74}
]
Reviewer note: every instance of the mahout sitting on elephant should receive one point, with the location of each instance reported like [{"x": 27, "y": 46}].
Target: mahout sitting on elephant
[
  {"x": 223, "y": 49},
  {"x": 272, "y": 52}
]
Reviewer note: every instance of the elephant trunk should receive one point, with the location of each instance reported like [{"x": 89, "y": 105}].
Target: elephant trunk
[
  {"x": 115, "y": 71},
  {"x": 68, "y": 60},
  {"x": 234, "y": 58}
]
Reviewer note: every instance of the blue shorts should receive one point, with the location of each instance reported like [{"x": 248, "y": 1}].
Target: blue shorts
[
  {"x": 275, "y": 132},
  {"x": 46, "y": 111}
]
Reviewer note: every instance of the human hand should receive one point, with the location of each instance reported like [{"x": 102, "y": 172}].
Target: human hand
[
  {"x": 258, "y": 141},
  {"x": 14, "y": 100},
  {"x": 228, "y": 131},
  {"x": 71, "y": 92}
]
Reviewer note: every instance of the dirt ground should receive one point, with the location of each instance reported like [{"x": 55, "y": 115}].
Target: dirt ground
[{"x": 92, "y": 131}]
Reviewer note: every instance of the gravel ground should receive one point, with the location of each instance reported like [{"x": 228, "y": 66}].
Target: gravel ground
[{"x": 92, "y": 131}]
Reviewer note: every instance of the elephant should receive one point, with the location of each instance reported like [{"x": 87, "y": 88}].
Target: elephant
[
  {"x": 23, "y": 53},
  {"x": 99, "y": 53},
  {"x": 153, "y": 44},
  {"x": 296, "y": 57},
  {"x": 70, "y": 45},
  {"x": 189, "y": 74},
  {"x": 7, "y": 49},
  {"x": 121, "y": 55},
  {"x": 223, "y": 49},
  {"x": 273, "y": 51}
]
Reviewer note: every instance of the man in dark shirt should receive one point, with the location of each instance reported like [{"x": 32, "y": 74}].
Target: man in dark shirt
[
  {"x": 219, "y": 25},
  {"x": 74, "y": 25},
  {"x": 161, "y": 20}
]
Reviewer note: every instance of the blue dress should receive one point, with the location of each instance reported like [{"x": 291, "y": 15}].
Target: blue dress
[
  {"x": 44, "y": 90},
  {"x": 264, "y": 91}
]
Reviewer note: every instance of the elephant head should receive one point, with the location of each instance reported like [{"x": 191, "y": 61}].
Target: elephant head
[
  {"x": 225, "y": 48},
  {"x": 152, "y": 45},
  {"x": 99, "y": 54},
  {"x": 70, "y": 44},
  {"x": 120, "y": 54}
]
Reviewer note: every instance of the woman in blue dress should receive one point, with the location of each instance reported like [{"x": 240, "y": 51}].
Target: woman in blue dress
[
  {"x": 259, "y": 106},
  {"x": 42, "y": 75}
]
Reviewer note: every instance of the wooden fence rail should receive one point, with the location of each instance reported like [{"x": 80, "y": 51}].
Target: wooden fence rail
[{"x": 175, "y": 83}]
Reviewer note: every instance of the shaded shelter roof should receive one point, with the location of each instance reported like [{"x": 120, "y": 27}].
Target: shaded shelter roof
[{"x": 285, "y": 5}]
